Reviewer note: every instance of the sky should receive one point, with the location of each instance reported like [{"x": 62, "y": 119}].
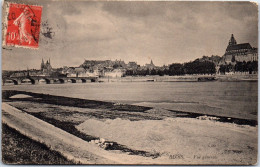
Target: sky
[{"x": 165, "y": 32}]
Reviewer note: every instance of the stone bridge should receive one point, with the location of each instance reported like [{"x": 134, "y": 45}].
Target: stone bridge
[{"x": 49, "y": 80}]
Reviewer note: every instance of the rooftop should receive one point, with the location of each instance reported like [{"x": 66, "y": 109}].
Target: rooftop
[{"x": 239, "y": 46}]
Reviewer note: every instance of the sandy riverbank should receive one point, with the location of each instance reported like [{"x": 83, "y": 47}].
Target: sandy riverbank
[
  {"x": 156, "y": 136},
  {"x": 184, "y": 140}
]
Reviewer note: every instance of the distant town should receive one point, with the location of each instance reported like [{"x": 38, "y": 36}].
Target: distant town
[{"x": 237, "y": 59}]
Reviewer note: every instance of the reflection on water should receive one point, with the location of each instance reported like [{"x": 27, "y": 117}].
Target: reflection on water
[{"x": 236, "y": 99}]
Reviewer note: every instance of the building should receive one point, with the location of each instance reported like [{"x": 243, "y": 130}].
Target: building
[
  {"x": 101, "y": 64},
  {"x": 132, "y": 65},
  {"x": 46, "y": 67},
  {"x": 115, "y": 73},
  {"x": 214, "y": 59},
  {"x": 119, "y": 64},
  {"x": 78, "y": 72},
  {"x": 150, "y": 66},
  {"x": 239, "y": 52}
]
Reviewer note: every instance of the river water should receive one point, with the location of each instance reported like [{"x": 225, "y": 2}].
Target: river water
[{"x": 232, "y": 99}]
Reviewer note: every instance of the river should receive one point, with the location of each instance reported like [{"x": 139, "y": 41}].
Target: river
[{"x": 232, "y": 99}]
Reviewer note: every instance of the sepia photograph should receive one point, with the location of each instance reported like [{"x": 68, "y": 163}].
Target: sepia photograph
[{"x": 129, "y": 82}]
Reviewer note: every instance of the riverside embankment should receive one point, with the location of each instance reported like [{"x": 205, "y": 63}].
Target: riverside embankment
[
  {"x": 112, "y": 131},
  {"x": 182, "y": 78},
  {"x": 229, "y": 99}
]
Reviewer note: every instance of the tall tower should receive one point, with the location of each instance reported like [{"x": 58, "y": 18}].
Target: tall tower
[
  {"x": 42, "y": 65},
  {"x": 232, "y": 40},
  {"x": 48, "y": 66}
]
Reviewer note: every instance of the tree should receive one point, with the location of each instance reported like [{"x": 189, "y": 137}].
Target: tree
[
  {"x": 239, "y": 66},
  {"x": 176, "y": 69},
  {"x": 153, "y": 72},
  {"x": 115, "y": 66},
  {"x": 129, "y": 72},
  {"x": 160, "y": 72},
  {"x": 199, "y": 67},
  {"x": 227, "y": 68},
  {"x": 255, "y": 65}
]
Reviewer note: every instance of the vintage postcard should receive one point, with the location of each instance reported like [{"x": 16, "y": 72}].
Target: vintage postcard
[{"x": 129, "y": 82}]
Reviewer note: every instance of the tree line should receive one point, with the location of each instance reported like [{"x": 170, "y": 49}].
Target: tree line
[
  {"x": 249, "y": 66},
  {"x": 194, "y": 67}
]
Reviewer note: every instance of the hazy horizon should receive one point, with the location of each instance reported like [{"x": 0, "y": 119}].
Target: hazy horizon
[{"x": 165, "y": 32}]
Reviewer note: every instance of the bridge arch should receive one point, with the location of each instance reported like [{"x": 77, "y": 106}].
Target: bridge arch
[
  {"x": 61, "y": 81},
  {"x": 45, "y": 81},
  {"x": 73, "y": 80},
  {"x": 10, "y": 81},
  {"x": 93, "y": 80},
  {"x": 31, "y": 80},
  {"x": 48, "y": 81},
  {"x": 15, "y": 81},
  {"x": 83, "y": 80}
]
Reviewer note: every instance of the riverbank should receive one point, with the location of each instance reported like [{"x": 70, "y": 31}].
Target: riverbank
[
  {"x": 182, "y": 78},
  {"x": 20, "y": 149},
  {"x": 10, "y": 95},
  {"x": 166, "y": 137}
]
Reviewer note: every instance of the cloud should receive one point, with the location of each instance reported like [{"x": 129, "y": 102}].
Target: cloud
[
  {"x": 69, "y": 8},
  {"x": 134, "y": 9},
  {"x": 165, "y": 31}
]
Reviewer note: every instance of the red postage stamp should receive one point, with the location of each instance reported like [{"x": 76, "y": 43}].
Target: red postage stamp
[{"x": 23, "y": 25}]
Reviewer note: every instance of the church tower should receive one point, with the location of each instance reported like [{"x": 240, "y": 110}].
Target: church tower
[
  {"x": 48, "y": 65},
  {"x": 152, "y": 62},
  {"x": 232, "y": 40},
  {"x": 42, "y": 65}
]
